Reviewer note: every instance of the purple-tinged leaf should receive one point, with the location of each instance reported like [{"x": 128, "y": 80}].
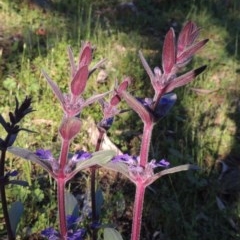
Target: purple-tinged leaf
[
  {"x": 115, "y": 100},
  {"x": 188, "y": 53},
  {"x": 94, "y": 98},
  {"x": 146, "y": 66},
  {"x": 193, "y": 36},
  {"x": 69, "y": 128},
  {"x": 169, "y": 52},
  {"x": 79, "y": 81},
  {"x": 54, "y": 87},
  {"x": 124, "y": 84},
  {"x": 85, "y": 55},
  {"x": 122, "y": 87},
  {"x": 186, "y": 36},
  {"x": 73, "y": 68},
  {"x": 96, "y": 66},
  {"x": 143, "y": 113},
  {"x": 184, "y": 79}
]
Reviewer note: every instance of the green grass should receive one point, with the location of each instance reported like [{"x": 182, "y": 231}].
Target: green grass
[{"x": 201, "y": 128}]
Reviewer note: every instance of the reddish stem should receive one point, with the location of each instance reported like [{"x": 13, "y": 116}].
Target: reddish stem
[
  {"x": 146, "y": 138},
  {"x": 61, "y": 188},
  {"x": 63, "y": 157},
  {"x": 61, "y": 207},
  {"x": 137, "y": 210}
]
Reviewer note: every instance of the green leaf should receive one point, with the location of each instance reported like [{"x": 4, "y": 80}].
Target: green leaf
[
  {"x": 111, "y": 234},
  {"x": 28, "y": 155},
  {"x": 118, "y": 167},
  {"x": 172, "y": 170},
  {"x": 71, "y": 205},
  {"x": 15, "y": 212},
  {"x": 98, "y": 158},
  {"x": 99, "y": 201}
]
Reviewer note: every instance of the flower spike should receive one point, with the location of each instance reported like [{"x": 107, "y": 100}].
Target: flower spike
[{"x": 175, "y": 55}]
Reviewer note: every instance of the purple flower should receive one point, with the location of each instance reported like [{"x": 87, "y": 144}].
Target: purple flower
[
  {"x": 5, "y": 179},
  {"x": 126, "y": 158},
  {"x": 162, "y": 163},
  {"x": 50, "y": 233},
  {"x": 12, "y": 174},
  {"x": 44, "y": 154},
  {"x": 133, "y": 162},
  {"x": 76, "y": 235},
  {"x": 162, "y": 108},
  {"x": 106, "y": 123},
  {"x": 48, "y": 158},
  {"x": 72, "y": 220},
  {"x": 77, "y": 157},
  {"x": 136, "y": 171},
  {"x": 80, "y": 156},
  {"x": 110, "y": 109}
]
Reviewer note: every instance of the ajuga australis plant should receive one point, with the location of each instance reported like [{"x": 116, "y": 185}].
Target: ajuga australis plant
[{"x": 142, "y": 171}]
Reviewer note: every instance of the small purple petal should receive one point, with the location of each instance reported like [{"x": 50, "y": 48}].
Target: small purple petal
[
  {"x": 51, "y": 233},
  {"x": 72, "y": 220},
  {"x": 12, "y": 174},
  {"x": 164, "y": 163},
  {"x": 80, "y": 156},
  {"x": 165, "y": 104},
  {"x": 44, "y": 154},
  {"x": 106, "y": 123},
  {"x": 125, "y": 158},
  {"x": 147, "y": 102},
  {"x": 76, "y": 235}
]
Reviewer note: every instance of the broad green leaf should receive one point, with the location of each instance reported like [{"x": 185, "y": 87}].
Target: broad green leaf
[
  {"x": 172, "y": 170},
  {"x": 71, "y": 205},
  {"x": 28, "y": 155},
  {"x": 111, "y": 234},
  {"x": 118, "y": 167},
  {"x": 98, "y": 158},
  {"x": 15, "y": 212},
  {"x": 99, "y": 201}
]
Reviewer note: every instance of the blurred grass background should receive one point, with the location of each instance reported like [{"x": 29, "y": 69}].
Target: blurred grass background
[{"x": 202, "y": 128}]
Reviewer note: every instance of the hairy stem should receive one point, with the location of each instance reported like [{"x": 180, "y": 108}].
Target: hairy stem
[
  {"x": 61, "y": 188},
  {"x": 146, "y": 138},
  {"x": 137, "y": 210},
  {"x": 61, "y": 207}
]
